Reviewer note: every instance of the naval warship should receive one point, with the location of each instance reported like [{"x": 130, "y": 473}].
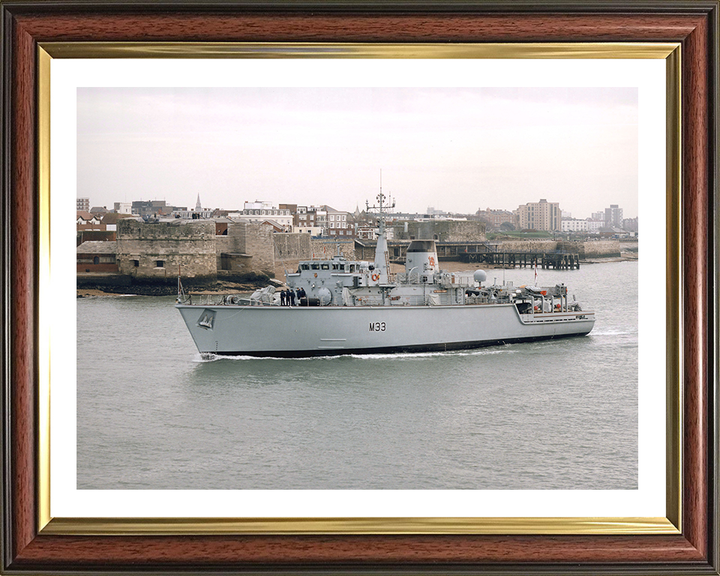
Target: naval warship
[{"x": 359, "y": 307}]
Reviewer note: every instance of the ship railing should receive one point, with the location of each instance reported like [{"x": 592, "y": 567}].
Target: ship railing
[{"x": 222, "y": 300}]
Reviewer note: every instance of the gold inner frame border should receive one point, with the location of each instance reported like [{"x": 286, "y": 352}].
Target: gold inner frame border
[{"x": 671, "y": 524}]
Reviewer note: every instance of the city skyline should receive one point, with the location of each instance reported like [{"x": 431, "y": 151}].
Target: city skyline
[
  {"x": 457, "y": 150},
  {"x": 431, "y": 210}
]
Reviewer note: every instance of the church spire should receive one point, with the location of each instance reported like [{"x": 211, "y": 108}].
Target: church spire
[{"x": 198, "y": 206}]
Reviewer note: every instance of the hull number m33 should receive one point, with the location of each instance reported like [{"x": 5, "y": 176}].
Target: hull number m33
[{"x": 377, "y": 326}]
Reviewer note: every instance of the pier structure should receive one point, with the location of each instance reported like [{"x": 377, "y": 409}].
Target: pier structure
[
  {"x": 488, "y": 253},
  {"x": 557, "y": 260}
]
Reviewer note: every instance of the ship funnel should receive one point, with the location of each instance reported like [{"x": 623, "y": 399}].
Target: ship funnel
[{"x": 421, "y": 258}]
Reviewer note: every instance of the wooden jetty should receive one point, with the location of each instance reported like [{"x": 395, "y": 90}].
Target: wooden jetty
[{"x": 557, "y": 260}]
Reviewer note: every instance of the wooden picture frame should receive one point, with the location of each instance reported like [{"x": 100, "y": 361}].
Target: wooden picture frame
[{"x": 29, "y": 547}]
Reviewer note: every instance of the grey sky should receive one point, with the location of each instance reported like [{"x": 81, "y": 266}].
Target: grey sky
[{"x": 455, "y": 149}]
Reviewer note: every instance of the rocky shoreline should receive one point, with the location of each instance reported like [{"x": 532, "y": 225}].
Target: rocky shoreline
[{"x": 219, "y": 287}]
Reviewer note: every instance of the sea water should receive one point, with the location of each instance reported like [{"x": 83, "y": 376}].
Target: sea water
[{"x": 544, "y": 415}]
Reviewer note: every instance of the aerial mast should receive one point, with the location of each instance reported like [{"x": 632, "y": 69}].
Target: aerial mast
[{"x": 382, "y": 257}]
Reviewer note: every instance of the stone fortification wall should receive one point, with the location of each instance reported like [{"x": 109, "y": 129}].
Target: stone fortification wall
[
  {"x": 441, "y": 230},
  {"x": 230, "y": 250},
  {"x": 247, "y": 247},
  {"x": 530, "y": 245},
  {"x": 593, "y": 248},
  {"x": 260, "y": 245},
  {"x": 233, "y": 241},
  {"x": 154, "y": 251},
  {"x": 324, "y": 248},
  {"x": 292, "y": 246}
]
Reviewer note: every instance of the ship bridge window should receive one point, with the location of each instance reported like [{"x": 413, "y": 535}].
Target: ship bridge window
[
  {"x": 325, "y": 266},
  {"x": 314, "y": 267},
  {"x": 304, "y": 267}
]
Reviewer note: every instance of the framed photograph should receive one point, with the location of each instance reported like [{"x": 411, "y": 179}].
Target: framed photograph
[{"x": 160, "y": 466}]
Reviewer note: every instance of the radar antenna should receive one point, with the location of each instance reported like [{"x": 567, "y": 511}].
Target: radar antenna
[{"x": 384, "y": 203}]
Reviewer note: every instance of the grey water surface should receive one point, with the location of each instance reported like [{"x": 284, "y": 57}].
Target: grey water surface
[{"x": 545, "y": 415}]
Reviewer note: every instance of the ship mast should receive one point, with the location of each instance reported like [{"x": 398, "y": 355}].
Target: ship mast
[{"x": 382, "y": 257}]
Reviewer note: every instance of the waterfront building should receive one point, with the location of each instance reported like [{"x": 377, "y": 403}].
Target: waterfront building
[
  {"x": 122, "y": 207},
  {"x": 338, "y": 223},
  {"x": 495, "y": 218},
  {"x": 97, "y": 256},
  {"x": 312, "y": 230},
  {"x": 594, "y": 226},
  {"x": 331, "y": 222},
  {"x": 154, "y": 208},
  {"x": 367, "y": 232},
  {"x": 613, "y": 216},
  {"x": 111, "y": 219},
  {"x": 541, "y": 215},
  {"x": 88, "y": 221},
  {"x": 574, "y": 225},
  {"x": 260, "y": 211},
  {"x": 630, "y": 224},
  {"x": 304, "y": 217}
]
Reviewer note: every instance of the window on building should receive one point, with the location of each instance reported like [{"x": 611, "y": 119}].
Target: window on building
[
  {"x": 96, "y": 260},
  {"x": 136, "y": 263},
  {"x": 160, "y": 264}
]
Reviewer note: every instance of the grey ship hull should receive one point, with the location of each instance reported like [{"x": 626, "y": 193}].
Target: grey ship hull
[{"x": 277, "y": 331}]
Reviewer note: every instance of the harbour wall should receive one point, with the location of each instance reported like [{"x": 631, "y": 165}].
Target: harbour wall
[
  {"x": 587, "y": 249},
  {"x": 441, "y": 230},
  {"x": 292, "y": 246},
  {"x": 592, "y": 249},
  {"x": 327, "y": 248}
]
